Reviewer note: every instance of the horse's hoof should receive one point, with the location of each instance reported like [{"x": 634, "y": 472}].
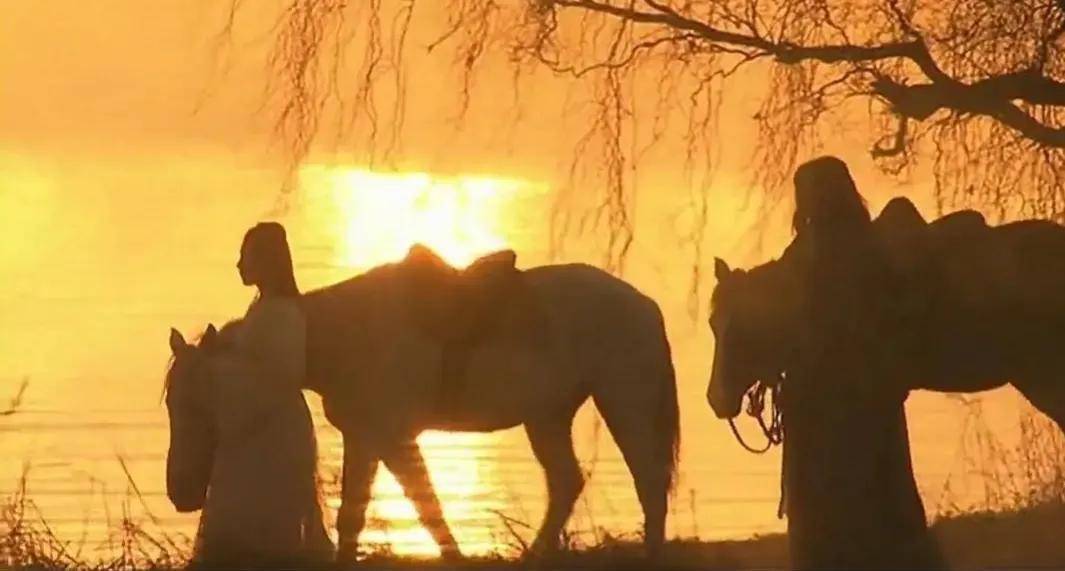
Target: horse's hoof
[
  {"x": 451, "y": 554},
  {"x": 538, "y": 553},
  {"x": 346, "y": 557}
]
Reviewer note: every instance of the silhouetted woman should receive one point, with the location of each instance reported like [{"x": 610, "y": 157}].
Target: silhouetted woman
[
  {"x": 262, "y": 508},
  {"x": 850, "y": 493}
]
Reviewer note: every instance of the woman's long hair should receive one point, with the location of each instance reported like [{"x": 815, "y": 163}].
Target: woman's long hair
[{"x": 269, "y": 244}]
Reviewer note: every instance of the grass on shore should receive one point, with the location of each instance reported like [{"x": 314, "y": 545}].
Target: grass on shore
[
  {"x": 1025, "y": 538},
  {"x": 1017, "y": 525}
]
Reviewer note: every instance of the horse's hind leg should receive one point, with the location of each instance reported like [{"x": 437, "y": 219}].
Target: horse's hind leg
[
  {"x": 552, "y": 443},
  {"x": 406, "y": 463},
  {"x": 646, "y": 454},
  {"x": 360, "y": 467}
]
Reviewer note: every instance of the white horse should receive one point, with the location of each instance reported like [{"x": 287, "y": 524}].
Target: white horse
[
  {"x": 246, "y": 459},
  {"x": 556, "y": 336}
]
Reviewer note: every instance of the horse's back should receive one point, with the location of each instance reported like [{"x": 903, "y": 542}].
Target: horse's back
[
  {"x": 602, "y": 320},
  {"x": 1015, "y": 261},
  {"x": 1036, "y": 262},
  {"x": 590, "y": 294},
  {"x": 975, "y": 265},
  {"x": 1041, "y": 238}
]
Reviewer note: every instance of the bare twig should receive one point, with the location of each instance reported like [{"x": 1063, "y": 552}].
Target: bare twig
[{"x": 16, "y": 401}]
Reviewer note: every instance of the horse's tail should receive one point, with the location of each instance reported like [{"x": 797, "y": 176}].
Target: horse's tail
[{"x": 668, "y": 417}]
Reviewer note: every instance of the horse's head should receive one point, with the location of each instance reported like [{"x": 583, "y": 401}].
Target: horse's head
[
  {"x": 753, "y": 316},
  {"x": 191, "y": 452},
  {"x": 187, "y": 379}
]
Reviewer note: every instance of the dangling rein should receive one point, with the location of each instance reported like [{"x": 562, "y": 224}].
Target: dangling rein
[
  {"x": 774, "y": 431},
  {"x": 756, "y": 405}
]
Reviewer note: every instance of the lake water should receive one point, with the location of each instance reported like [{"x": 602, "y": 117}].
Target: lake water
[{"x": 100, "y": 258}]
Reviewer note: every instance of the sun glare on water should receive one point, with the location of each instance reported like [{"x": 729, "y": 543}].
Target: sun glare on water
[{"x": 367, "y": 218}]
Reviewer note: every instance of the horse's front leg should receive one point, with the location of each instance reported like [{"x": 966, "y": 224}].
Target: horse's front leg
[
  {"x": 360, "y": 467},
  {"x": 406, "y": 463}
]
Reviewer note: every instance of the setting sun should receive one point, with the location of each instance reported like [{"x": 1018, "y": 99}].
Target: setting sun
[{"x": 380, "y": 215}]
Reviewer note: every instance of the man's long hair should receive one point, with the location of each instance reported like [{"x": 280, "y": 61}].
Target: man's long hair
[{"x": 826, "y": 197}]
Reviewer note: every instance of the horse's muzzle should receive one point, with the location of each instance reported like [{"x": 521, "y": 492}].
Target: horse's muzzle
[{"x": 723, "y": 406}]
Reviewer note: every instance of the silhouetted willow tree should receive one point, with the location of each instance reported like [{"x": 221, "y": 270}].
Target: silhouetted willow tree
[{"x": 975, "y": 86}]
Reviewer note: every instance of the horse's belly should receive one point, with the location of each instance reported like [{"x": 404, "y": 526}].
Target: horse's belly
[
  {"x": 449, "y": 421},
  {"x": 502, "y": 387},
  {"x": 962, "y": 354}
]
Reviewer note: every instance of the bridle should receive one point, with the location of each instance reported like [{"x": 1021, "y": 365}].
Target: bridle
[
  {"x": 756, "y": 407},
  {"x": 773, "y": 431}
]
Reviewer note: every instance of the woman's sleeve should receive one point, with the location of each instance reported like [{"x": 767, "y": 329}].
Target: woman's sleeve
[{"x": 276, "y": 346}]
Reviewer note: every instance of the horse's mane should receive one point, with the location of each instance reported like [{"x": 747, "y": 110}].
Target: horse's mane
[
  {"x": 344, "y": 285},
  {"x": 325, "y": 297},
  {"x": 226, "y": 328},
  {"x": 419, "y": 257},
  {"x": 335, "y": 313},
  {"x": 766, "y": 279},
  {"x": 167, "y": 380}
]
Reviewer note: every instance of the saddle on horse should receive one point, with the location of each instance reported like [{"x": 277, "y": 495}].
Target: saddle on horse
[
  {"x": 910, "y": 242},
  {"x": 459, "y": 308},
  {"x": 452, "y": 305},
  {"x": 956, "y": 258}
]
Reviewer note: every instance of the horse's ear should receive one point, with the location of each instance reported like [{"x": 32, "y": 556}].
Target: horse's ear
[
  {"x": 210, "y": 336},
  {"x": 177, "y": 342},
  {"x": 721, "y": 269}
]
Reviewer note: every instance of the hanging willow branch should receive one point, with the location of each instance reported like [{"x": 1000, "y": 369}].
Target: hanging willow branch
[{"x": 977, "y": 86}]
